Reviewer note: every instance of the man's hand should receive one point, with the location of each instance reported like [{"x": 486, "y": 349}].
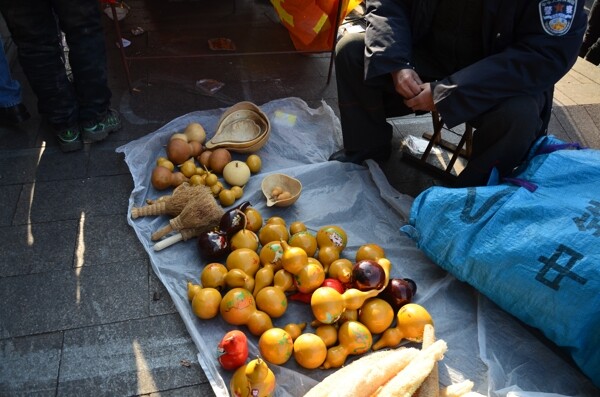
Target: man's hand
[
  {"x": 423, "y": 101},
  {"x": 407, "y": 83}
]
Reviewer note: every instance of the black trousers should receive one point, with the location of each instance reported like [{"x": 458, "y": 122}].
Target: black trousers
[
  {"x": 590, "y": 48},
  {"x": 502, "y": 135},
  {"x": 35, "y": 26}
]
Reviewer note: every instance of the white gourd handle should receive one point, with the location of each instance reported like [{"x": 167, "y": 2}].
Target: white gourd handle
[{"x": 168, "y": 242}]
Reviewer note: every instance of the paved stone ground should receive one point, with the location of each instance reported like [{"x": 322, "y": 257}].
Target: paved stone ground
[{"x": 82, "y": 312}]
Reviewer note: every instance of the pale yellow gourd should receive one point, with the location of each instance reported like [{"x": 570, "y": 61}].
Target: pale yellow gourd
[
  {"x": 253, "y": 379},
  {"x": 263, "y": 278},
  {"x": 354, "y": 338},
  {"x": 410, "y": 323},
  {"x": 328, "y": 304},
  {"x": 293, "y": 258}
]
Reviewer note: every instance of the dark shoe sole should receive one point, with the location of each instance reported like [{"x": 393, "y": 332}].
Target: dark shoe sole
[
  {"x": 89, "y": 136},
  {"x": 74, "y": 146},
  {"x": 96, "y": 136}
]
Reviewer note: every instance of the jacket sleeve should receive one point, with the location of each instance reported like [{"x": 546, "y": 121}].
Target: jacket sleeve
[
  {"x": 525, "y": 61},
  {"x": 387, "y": 37}
]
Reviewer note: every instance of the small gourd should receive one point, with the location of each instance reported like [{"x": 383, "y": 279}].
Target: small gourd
[
  {"x": 284, "y": 280},
  {"x": 341, "y": 269},
  {"x": 387, "y": 268},
  {"x": 263, "y": 278},
  {"x": 410, "y": 323},
  {"x": 294, "y": 329},
  {"x": 354, "y": 339},
  {"x": 293, "y": 258},
  {"x": 253, "y": 379},
  {"x": 310, "y": 277},
  {"x": 238, "y": 307},
  {"x": 328, "y": 304},
  {"x": 235, "y": 278}
]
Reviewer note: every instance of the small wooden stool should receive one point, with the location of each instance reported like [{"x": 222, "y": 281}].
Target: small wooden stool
[{"x": 462, "y": 149}]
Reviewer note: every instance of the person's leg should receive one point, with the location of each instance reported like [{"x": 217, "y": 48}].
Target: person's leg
[
  {"x": 363, "y": 108},
  {"x": 34, "y": 31},
  {"x": 593, "y": 53},
  {"x": 592, "y": 33},
  {"x": 10, "y": 89},
  {"x": 87, "y": 56},
  {"x": 12, "y": 110},
  {"x": 502, "y": 139}
]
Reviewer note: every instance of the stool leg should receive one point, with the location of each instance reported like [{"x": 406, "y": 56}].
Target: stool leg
[
  {"x": 435, "y": 138},
  {"x": 120, "y": 45}
]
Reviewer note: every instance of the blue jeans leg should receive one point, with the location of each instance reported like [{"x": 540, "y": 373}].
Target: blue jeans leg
[{"x": 10, "y": 89}]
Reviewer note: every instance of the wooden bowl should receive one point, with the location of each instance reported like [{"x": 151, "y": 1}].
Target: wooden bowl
[
  {"x": 284, "y": 182},
  {"x": 243, "y": 128}
]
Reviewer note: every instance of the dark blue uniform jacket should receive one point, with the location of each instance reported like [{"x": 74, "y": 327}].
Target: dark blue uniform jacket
[{"x": 528, "y": 46}]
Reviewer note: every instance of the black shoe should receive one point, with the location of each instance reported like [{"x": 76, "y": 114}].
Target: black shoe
[
  {"x": 14, "y": 114},
  {"x": 70, "y": 140},
  {"x": 378, "y": 153}
]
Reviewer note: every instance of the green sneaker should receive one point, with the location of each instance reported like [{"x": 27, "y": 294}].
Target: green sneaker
[
  {"x": 70, "y": 140},
  {"x": 99, "y": 131}
]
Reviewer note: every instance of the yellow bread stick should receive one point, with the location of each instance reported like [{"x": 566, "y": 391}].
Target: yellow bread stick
[
  {"x": 365, "y": 375},
  {"x": 431, "y": 385},
  {"x": 407, "y": 381},
  {"x": 457, "y": 389}
]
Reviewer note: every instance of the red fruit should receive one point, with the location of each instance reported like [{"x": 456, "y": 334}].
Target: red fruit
[
  {"x": 233, "y": 350},
  {"x": 335, "y": 284},
  {"x": 367, "y": 274},
  {"x": 301, "y": 297}
]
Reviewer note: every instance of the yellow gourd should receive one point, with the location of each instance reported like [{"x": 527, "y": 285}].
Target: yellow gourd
[
  {"x": 341, "y": 269},
  {"x": 386, "y": 265},
  {"x": 259, "y": 322},
  {"x": 283, "y": 280},
  {"x": 310, "y": 277},
  {"x": 253, "y": 379},
  {"x": 328, "y": 304},
  {"x": 348, "y": 315},
  {"x": 294, "y": 329},
  {"x": 293, "y": 258},
  {"x": 192, "y": 289},
  {"x": 263, "y": 278},
  {"x": 410, "y": 323},
  {"x": 238, "y": 307},
  {"x": 236, "y": 278},
  {"x": 354, "y": 339}
]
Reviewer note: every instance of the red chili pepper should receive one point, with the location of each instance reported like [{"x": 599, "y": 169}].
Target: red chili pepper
[{"x": 301, "y": 297}]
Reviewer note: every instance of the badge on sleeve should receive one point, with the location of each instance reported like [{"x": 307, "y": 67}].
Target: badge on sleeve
[{"x": 557, "y": 16}]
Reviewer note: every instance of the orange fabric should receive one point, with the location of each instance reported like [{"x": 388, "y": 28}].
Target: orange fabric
[{"x": 310, "y": 22}]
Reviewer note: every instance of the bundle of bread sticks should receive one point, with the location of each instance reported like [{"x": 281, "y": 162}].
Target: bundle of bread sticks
[{"x": 401, "y": 372}]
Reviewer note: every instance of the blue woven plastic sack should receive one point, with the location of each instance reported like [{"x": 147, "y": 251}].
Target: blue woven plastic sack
[{"x": 531, "y": 245}]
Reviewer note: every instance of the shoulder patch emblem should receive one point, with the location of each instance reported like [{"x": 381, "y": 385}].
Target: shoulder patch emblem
[{"x": 556, "y": 16}]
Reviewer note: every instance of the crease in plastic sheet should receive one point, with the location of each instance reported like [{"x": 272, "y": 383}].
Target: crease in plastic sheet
[{"x": 486, "y": 345}]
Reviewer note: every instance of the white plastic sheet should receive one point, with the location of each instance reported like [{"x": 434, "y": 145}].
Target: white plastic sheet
[{"x": 486, "y": 345}]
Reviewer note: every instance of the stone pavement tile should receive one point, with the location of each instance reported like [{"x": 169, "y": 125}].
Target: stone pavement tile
[
  {"x": 29, "y": 366},
  {"x": 74, "y": 199},
  {"x": 104, "y": 160},
  {"x": 578, "y": 124},
  {"x": 37, "y": 248},
  {"x": 129, "y": 358},
  {"x": 9, "y": 196},
  {"x": 62, "y": 300},
  {"x": 29, "y": 165},
  {"x": 107, "y": 239},
  {"x": 160, "y": 301}
]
